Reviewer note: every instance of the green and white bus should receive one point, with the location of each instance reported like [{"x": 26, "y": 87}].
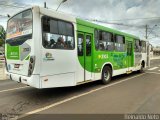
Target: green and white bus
[{"x": 46, "y": 49}]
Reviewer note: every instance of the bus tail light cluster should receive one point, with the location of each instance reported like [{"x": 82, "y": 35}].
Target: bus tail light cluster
[{"x": 31, "y": 65}]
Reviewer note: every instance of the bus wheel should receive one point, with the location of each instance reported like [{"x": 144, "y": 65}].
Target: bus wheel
[
  {"x": 106, "y": 75},
  {"x": 142, "y": 68}
]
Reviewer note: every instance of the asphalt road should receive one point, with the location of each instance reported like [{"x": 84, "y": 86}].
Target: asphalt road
[{"x": 126, "y": 94}]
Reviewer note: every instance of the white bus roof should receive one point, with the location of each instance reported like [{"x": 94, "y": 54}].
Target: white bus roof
[{"x": 51, "y": 13}]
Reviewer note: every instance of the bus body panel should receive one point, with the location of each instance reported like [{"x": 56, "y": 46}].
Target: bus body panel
[
  {"x": 61, "y": 80},
  {"x": 60, "y": 69},
  {"x": 86, "y": 61},
  {"x": 17, "y": 53}
]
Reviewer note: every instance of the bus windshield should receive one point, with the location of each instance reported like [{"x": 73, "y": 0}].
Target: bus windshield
[{"x": 19, "y": 28}]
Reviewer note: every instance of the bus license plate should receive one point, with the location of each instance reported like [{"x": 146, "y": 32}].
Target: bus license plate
[{"x": 16, "y": 65}]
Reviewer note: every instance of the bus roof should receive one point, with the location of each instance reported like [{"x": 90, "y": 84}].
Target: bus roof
[{"x": 93, "y": 25}]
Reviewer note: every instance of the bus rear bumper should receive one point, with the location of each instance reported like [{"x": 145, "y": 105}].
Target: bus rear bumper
[{"x": 33, "y": 81}]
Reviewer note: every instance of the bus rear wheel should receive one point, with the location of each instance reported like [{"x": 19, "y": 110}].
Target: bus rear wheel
[
  {"x": 106, "y": 75},
  {"x": 142, "y": 68}
]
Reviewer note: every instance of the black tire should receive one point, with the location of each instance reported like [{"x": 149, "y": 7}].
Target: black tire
[
  {"x": 142, "y": 68},
  {"x": 106, "y": 75}
]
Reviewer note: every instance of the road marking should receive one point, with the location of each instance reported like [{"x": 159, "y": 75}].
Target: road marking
[
  {"x": 13, "y": 89},
  {"x": 153, "y": 68},
  {"x": 74, "y": 97},
  {"x": 153, "y": 72}
]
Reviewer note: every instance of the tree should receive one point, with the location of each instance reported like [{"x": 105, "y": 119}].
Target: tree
[{"x": 2, "y": 35}]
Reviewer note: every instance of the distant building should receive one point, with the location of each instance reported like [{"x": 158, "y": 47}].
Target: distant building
[{"x": 156, "y": 50}]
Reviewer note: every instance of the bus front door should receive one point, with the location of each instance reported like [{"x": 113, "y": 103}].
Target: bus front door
[
  {"x": 129, "y": 55},
  {"x": 84, "y": 55}
]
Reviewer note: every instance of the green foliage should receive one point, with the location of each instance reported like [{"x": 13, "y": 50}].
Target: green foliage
[
  {"x": 2, "y": 35},
  {"x": 1, "y": 42}
]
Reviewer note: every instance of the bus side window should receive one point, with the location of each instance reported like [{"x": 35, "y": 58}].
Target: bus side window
[
  {"x": 108, "y": 37},
  {"x": 120, "y": 43},
  {"x": 57, "y": 34},
  {"x": 96, "y": 38},
  {"x": 137, "y": 46},
  {"x": 80, "y": 44},
  {"x": 104, "y": 40}
]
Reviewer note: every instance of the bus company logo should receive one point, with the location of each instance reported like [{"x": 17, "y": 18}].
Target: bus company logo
[
  {"x": 25, "y": 49},
  {"x": 48, "y": 56},
  {"x": 13, "y": 53},
  {"x": 102, "y": 56}
]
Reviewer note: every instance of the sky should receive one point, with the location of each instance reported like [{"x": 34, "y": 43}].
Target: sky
[{"x": 129, "y": 16}]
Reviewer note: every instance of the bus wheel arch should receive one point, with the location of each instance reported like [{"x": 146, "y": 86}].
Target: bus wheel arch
[{"x": 106, "y": 73}]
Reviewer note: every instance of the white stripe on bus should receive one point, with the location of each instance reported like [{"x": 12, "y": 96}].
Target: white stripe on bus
[{"x": 75, "y": 97}]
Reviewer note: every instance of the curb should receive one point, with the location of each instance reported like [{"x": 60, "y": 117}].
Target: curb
[
  {"x": 155, "y": 58},
  {"x": 3, "y": 79}
]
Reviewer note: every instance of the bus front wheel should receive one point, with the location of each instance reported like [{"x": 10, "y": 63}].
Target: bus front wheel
[{"x": 106, "y": 75}]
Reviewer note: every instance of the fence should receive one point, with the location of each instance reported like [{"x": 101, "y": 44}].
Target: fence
[{"x": 2, "y": 71}]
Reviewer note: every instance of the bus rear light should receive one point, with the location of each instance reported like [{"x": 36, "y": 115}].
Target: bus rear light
[
  {"x": 31, "y": 60},
  {"x": 29, "y": 73},
  {"x": 31, "y": 65}
]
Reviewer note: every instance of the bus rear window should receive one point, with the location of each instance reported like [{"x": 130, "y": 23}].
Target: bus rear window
[
  {"x": 20, "y": 24},
  {"x": 19, "y": 28}
]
